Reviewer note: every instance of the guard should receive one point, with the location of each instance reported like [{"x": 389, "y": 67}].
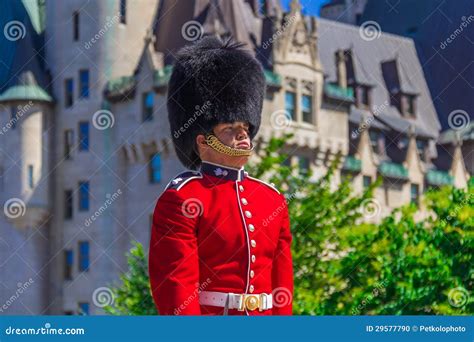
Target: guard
[{"x": 220, "y": 241}]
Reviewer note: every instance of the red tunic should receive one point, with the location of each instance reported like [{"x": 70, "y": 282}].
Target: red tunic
[{"x": 220, "y": 230}]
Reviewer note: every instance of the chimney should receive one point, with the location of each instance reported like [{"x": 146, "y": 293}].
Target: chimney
[{"x": 341, "y": 69}]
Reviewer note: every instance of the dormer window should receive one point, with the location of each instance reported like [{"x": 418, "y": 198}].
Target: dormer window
[
  {"x": 420, "y": 146},
  {"x": 402, "y": 142},
  {"x": 401, "y": 91},
  {"x": 363, "y": 96},
  {"x": 377, "y": 140},
  {"x": 409, "y": 105}
]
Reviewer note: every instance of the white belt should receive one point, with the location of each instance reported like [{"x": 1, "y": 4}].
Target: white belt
[{"x": 239, "y": 301}]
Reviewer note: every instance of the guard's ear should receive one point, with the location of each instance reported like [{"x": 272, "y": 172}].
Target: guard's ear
[
  {"x": 200, "y": 144},
  {"x": 201, "y": 140}
]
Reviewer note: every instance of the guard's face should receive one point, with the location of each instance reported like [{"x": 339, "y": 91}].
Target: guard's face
[{"x": 234, "y": 135}]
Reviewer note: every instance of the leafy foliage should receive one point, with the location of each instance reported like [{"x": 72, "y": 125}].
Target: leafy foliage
[
  {"x": 344, "y": 266},
  {"x": 133, "y": 296}
]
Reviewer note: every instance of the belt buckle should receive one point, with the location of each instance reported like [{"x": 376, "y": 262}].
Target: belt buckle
[{"x": 250, "y": 302}]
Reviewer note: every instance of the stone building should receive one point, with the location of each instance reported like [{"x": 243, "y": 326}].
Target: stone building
[{"x": 85, "y": 143}]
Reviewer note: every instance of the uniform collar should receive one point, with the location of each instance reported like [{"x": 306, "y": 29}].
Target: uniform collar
[{"x": 221, "y": 171}]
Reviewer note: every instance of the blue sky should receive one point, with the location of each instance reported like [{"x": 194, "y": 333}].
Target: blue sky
[{"x": 309, "y": 6}]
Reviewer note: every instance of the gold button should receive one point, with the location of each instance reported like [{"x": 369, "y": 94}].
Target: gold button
[
  {"x": 248, "y": 214},
  {"x": 253, "y": 258},
  {"x": 241, "y": 188},
  {"x": 251, "y": 227},
  {"x": 253, "y": 243},
  {"x": 252, "y": 274},
  {"x": 244, "y": 201},
  {"x": 251, "y": 289}
]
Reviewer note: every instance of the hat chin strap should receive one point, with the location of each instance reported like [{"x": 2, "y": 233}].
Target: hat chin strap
[{"x": 213, "y": 142}]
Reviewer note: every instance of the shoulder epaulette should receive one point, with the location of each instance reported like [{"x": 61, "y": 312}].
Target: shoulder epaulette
[{"x": 182, "y": 179}]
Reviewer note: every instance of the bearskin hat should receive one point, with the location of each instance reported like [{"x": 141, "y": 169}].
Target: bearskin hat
[{"x": 212, "y": 82}]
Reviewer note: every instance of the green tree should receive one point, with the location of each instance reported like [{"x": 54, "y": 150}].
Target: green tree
[
  {"x": 133, "y": 295},
  {"x": 344, "y": 266}
]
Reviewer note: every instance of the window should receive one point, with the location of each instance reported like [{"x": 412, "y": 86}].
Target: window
[
  {"x": 377, "y": 141},
  {"x": 410, "y": 105},
  {"x": 75, "y": 23},
  {"x": 83, "y": 196},
  {"x": 123, "y": 11},
  {"x": 83, "y": 84},
  {"x": 68, "y": 205},
  {"x": 262, "y": 7},
  {"x": 68, "y": 262},
  {"x": 366, "y": 180},
  {"x": 83, "y": 308},
  {"x": 83, "y": 136},
  {"x": 290, "y": 104},
  {"x": 30, "y": 176},
  {"x": 420, "y": 146},
  {"x": 68, "y": 92},
  {"x": 303, "y": 164},
  {"x": 402, "y": 142},
  {"x": 83, "y": 256},
  {"x": 307, "y": 108},
  {"x": 155, "y": 168},
  {"x": 414, "y": 194},
  {"x": 68, "y": 143},
  {"x": 147, "y": 103},
  {"x": 364, "y": 98}
]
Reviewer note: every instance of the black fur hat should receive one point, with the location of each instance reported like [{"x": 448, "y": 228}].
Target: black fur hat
[{"x": 212, "y": 82}]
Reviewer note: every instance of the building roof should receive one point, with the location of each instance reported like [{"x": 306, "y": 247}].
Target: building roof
[
  {"x": 368, "y": 56},
  {"x": 451, "y": 135},
  {"x": 22, "y": 74},
  {"x": 442, "y": 31},
  {"x": 25, "y": 93},
  {"x": 180, "y": 22}
]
